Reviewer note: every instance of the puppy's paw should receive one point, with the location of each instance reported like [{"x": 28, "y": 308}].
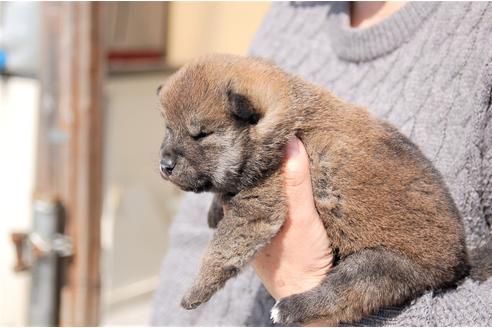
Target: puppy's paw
[
  {"x": 188, "y": 304},
  {"x": 274, "y": 314},
  {"x": 289, "y": 310},
  {"x": 193, "y": 299},
  {"x": 299, "y": 310},
  {"x": 213, "y": 219},
  {"x": 215, "y": 213}
]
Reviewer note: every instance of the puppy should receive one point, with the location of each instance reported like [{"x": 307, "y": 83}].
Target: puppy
[{"x": 386, "y": 210}]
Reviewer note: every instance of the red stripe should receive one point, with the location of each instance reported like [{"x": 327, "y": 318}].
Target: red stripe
[{"x": 137, "y": 54}]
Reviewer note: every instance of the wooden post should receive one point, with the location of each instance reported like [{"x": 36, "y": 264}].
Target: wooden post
[{"x": 69, "y": 159}]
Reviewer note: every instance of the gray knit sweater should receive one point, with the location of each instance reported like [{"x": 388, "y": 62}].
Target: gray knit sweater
[{"x": 428, "y": 70}]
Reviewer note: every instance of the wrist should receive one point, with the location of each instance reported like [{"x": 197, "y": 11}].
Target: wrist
[
  {"x": 289, "y": 286},
  {"x": 282, "y": 280}
]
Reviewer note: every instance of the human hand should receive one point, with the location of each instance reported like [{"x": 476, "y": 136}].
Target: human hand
[{"x": 300, "y": 256}]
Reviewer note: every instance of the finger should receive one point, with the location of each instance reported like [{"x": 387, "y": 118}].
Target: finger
[
  {"x": 298, "y": 181},
  {"x": 296, "y": 166}
]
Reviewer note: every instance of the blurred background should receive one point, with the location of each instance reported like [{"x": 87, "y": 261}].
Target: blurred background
[{"x": 84, "y": 214}]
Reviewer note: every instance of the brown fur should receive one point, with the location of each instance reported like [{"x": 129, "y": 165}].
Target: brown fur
[{"x": 386, "y": 209}]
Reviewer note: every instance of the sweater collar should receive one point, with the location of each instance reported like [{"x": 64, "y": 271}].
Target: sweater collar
[{"x": 363, "y": 44}]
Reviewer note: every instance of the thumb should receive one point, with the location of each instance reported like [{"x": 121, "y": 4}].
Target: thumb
[{"x": 298, "y": 180}]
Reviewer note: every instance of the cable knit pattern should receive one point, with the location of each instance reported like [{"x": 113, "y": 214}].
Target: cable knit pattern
[{"x": 427, "y": 69}]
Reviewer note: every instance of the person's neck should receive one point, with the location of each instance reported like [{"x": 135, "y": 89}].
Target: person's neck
[{"x": 366, "y": 13}]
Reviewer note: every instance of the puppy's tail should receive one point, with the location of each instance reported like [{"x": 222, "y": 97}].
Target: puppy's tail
[{"x": 481, "y": 262}]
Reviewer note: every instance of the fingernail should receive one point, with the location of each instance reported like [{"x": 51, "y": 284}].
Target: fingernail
[{"x": 292, "y": 147}]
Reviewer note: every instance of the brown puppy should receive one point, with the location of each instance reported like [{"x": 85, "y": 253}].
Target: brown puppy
[{"x": 386, "y": 210}]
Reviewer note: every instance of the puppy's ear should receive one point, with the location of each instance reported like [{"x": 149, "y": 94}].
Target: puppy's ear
[
  {"x": 161, "y": 86},
  {"x": 242, "y": 108}
]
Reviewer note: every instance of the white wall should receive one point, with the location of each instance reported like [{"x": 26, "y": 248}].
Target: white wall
[
  {"x": 138, "y": 205},
  {"x": 18, "y": 122}
]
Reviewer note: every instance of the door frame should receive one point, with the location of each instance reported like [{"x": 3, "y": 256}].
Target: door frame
[{"x": 69, "y": 150}]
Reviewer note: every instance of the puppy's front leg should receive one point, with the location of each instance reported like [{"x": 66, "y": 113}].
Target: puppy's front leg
[
  {"x": 250, "y": 223},
  {"x": 215, "y": 212}
]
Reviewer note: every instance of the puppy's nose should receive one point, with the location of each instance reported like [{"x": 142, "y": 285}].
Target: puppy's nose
[{"x": 167, "y": 165}]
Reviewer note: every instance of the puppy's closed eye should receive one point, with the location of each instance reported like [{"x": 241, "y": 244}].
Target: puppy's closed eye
[{"x": 200, "y": 135}]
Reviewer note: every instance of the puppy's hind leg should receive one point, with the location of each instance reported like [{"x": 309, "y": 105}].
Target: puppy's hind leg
[
  {"x": 247, "y": 226},
  {"x": 359, "y": 285}
]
